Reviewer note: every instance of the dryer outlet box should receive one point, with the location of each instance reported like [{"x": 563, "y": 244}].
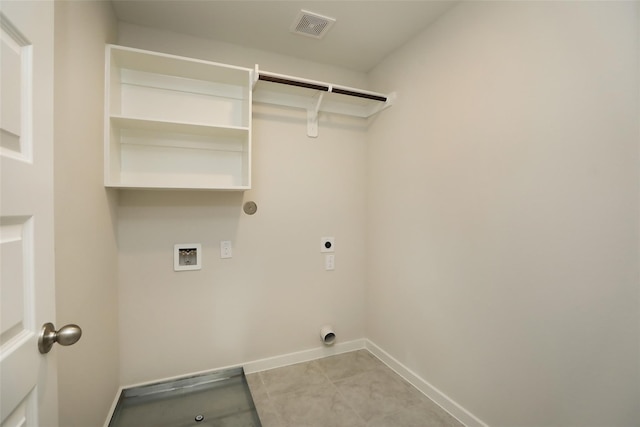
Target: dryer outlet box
[{"x": 327, "y": 244}]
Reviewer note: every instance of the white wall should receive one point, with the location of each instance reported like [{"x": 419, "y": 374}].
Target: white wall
[
  {"x": 504, "y": 184},
  {"x": 85, "y": 236},
  {"x": 273, "y": 296}
]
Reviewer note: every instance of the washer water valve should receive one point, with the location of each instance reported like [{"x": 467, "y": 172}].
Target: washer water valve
[{"x": 187, "y": 256}]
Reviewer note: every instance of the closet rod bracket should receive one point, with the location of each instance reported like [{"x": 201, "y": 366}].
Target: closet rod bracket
[{"x": 312, "y": 117}]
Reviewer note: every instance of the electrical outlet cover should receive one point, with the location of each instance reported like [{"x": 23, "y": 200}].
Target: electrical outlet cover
[{"x": 225, "y": 249}]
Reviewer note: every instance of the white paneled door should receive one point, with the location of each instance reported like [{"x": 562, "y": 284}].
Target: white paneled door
[{"x": 27, "y": 295}]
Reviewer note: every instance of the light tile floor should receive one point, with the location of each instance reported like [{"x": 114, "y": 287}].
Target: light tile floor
[{"x": 347, "y": 390}]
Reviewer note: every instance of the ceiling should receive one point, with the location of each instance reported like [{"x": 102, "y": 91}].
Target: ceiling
[{"x": 365, "y": 31}]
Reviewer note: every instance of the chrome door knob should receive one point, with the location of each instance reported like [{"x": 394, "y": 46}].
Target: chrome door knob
[{"x": 67, "y": 335}]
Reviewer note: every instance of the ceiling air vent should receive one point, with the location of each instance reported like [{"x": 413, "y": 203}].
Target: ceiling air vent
[{"x": 311, "y": 24}]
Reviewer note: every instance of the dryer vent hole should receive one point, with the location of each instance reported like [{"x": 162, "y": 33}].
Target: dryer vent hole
[{"x": 329, "y": 338}]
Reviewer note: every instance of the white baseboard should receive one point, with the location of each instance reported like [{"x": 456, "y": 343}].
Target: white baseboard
[
  {"x": 441, "y": 399},
  {"x": 303, "y": 356}
]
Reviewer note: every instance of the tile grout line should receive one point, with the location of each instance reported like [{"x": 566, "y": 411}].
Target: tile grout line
[
  {"x": 344, "y": 399},
  {"x": 270, "y": 401}
]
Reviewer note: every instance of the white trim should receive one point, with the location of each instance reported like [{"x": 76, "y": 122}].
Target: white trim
[
  {"x": 445, "y": 402},
  {"x": 303, "y": 356},
  {"x": 113, "y": 407}
]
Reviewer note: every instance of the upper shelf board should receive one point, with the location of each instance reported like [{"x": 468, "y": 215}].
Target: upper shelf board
[{"x": 178, "y": 66}]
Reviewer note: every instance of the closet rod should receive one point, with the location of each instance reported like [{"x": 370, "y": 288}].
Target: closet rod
[
  {"x": 321, "y": 87},
  {"x": 292, "y": 82},
  {"x": 359, "y": 94}
]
